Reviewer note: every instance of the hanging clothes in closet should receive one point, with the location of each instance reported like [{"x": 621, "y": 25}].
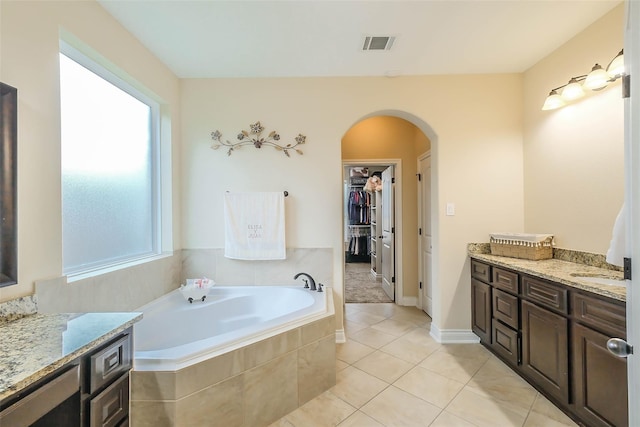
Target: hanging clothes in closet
[
  {"x": 359, "y": 207},
  {"x": 360, "y": 242}
]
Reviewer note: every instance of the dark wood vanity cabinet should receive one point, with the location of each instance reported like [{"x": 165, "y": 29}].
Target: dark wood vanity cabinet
[
  {"x": 89, "y": 391},
  {"x": 555, "y": 337}
]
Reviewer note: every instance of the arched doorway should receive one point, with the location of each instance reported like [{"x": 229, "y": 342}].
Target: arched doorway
[{"x": 398, "y": 138}]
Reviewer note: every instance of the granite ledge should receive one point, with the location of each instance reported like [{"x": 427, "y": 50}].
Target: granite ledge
[
  {"x": 557, "y": 270},
  {"x": 36, "y": 345}
]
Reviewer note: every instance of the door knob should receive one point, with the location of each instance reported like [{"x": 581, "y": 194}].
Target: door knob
[{"x": 619, "y": 347}]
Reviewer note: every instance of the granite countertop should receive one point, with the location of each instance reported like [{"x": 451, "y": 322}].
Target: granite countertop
[
  {"x": 36, "y": 345},
  {"x": 560, "y": 271}
]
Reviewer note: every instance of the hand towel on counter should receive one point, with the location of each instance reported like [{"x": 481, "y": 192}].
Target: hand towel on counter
[{"x": 254, "y": 226}]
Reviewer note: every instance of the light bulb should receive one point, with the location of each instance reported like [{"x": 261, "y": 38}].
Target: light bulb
[
  {"x": 597, "y": 78},
  {"x": 553, "y": 101},
  {"x": 573, "y": 90}
]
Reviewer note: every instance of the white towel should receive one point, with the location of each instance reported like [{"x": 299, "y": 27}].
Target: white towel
[
  {"x": 254, "y": 226},
  {"x": 617, "y": 247}
]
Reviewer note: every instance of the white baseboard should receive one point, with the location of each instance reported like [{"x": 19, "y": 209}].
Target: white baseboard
[
  {"x": 341, "y": 337},
  {"x": 453, "y": 336},
  {"x": 408, "y": 301}
]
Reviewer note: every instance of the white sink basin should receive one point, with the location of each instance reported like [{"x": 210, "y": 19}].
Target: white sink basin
[{"x": 601, "y": 280}]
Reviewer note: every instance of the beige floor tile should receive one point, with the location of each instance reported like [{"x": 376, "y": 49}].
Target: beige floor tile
[
  {"x": 509, "y": 388},
  {"x": 357, "y": 387},
  {"x": 446, "y": 419},
  {"x": 483, "y": 411},
  {"x": 364, "y": 317},
  {"x": 360, "y": 419},
  {"x": 340, "y": 365},
  {"x": 449, "y": 365},
  {"x": 494, "y": 368},
  {"x": 394, "y": 327},
  {"x": 543, "y": 408},
  {"x": 372, "y": 337},
  {"x": 352, "y": 351},
  {"x": 380, "y": 309},
  {"x": 351, "y": 327},
  {"x": 429, "y": 386},
  {"x": 538, "y": 420},
  {"x": 413, "y": 315},
  {"x": 384, "y": 366},
  {"x": 397, "y": 408},
  {"x": 411, "y": 349},
  {"x": 326, "y": 410},
  {"x": 468, "y": 350},
  {"x": 282, "y": 422}
]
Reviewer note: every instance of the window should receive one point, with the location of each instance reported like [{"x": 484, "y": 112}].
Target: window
[{"x": 110, "y": 188}]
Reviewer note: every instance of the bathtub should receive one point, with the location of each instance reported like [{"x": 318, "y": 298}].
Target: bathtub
[
  {"x": 246, "y": 356},
  {"x": 174, "y": 333}
]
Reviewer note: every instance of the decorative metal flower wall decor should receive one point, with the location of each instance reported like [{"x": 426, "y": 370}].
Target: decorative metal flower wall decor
[{"x": 254, "y": 137}]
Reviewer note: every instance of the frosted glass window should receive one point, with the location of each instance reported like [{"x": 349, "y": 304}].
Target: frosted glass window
[{"x": 108, "y": 181}]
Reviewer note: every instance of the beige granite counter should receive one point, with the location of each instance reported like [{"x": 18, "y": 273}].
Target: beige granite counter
[
  {"x": 557, "y": 270},
  {"x": 36, "y": 345}
]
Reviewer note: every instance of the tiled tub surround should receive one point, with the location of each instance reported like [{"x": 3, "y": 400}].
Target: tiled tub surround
[
  {"x": 563, "y": 269},
  {"x": 34, "y": 346},
  {"x": 139, "y": 284},
  {"x": 250, "y": 385},
  {"x": 120, "y": 290},
  {"x": 211, "y": 263}
]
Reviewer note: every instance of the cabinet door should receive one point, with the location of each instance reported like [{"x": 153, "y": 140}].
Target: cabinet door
[
  {"x": 545, "y": 350},
  {"x": 481, "y": 310},
  {"x": 600, "y": 380}
]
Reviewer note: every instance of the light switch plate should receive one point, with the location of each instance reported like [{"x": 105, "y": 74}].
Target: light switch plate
[{"x": 451, "y": 209}]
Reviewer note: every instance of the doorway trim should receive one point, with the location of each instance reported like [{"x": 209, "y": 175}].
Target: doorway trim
[
  {"x": 423, "y": 156},
  {"x": 397, "y": 174}
]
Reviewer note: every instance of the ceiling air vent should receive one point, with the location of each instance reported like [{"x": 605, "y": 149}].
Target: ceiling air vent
[{"x": 378, "y": 42}]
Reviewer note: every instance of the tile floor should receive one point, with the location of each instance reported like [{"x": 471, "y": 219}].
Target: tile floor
[{"x": 390, "y": 372}]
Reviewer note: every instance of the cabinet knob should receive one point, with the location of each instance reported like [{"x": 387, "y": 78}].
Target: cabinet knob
[{"x": 619, "y": 347}]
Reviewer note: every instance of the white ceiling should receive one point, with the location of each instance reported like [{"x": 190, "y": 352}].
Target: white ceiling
[{"x": 298, "y": 38}]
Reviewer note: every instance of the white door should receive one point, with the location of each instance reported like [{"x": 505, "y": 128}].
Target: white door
[
  {"x": 632, "y": 204},
  {"x": 388, "y": 250},
  {"x": 424, "y": 224}
]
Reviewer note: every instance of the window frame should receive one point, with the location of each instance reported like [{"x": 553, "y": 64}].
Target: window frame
[{"x": 102, "y": 70}]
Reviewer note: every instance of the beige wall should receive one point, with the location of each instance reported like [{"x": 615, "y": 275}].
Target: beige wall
[
  {"x": 473, "y": 122},
  {"x": 573, "y": 170},
  {"x": 30, "y": 33},
  {"x": 386, "y": 137}
]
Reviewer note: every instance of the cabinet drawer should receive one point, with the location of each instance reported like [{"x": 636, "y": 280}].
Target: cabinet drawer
[
  {"x": 480, "y": 271},
  {"x": 111, "y": 406},
  {"x": 505, "y": 280},
  {"x": 505, "y": 308},
  {"x": 110, "y": 362},
  {"x": 545, "y": 294},
  {"x": 604, "y": 316},
  {"x": 505, "y": 342}
]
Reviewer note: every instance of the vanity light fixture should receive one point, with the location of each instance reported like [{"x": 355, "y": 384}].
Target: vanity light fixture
[{"x": 596, "y": 80}]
